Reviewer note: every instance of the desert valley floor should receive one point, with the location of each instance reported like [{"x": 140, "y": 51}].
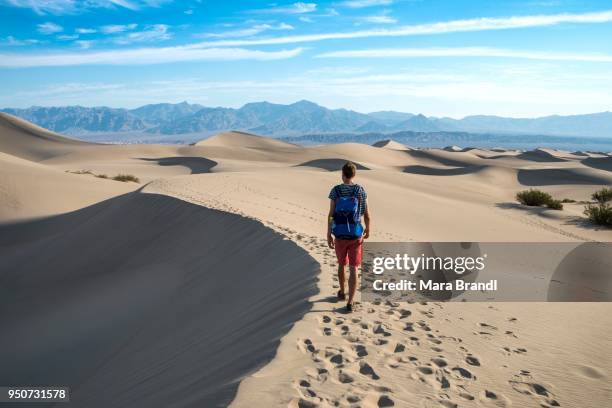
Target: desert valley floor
[{"x": 209, "y": 282}]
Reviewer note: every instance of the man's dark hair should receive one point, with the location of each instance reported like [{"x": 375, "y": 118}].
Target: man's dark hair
[{"x": 349, "y": 169}]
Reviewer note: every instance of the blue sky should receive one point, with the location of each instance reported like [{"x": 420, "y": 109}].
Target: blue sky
[{"x": 442, "y": 58}]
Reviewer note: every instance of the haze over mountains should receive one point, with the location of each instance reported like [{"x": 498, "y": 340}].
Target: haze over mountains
[{"x": 300, "y": 118}]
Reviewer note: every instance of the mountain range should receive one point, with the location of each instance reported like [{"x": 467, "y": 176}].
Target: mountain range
[{"x": 300, "y": 118}]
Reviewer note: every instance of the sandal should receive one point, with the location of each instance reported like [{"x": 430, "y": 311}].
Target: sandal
[
  {"x": 341, "y": 295},
  {"x": 349, "y": 307}
]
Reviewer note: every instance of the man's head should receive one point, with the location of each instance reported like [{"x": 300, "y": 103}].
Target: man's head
[{"x": 348, "y": 171}]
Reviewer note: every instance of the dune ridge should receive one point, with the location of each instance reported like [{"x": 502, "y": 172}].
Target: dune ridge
[{"x": 23, "y": 139}]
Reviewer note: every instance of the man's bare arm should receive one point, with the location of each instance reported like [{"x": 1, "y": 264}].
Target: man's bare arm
[
  {"x": 366, "y": 218},
  {"x": 330, "y": 217}
]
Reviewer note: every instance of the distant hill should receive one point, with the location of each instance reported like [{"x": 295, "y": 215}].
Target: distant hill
[
  {"x": 79, "y": 119},
  {"x": 165, "y": 112},
  {"x": 595, "y": 124},
  {"x": 300, "y": 118},
  {"x": 390, "y": 118}
]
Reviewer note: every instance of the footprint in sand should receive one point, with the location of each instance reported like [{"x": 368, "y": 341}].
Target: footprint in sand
[
  {"x": 360, "y": 350},
  {"x": 433, "y": 339},
  {"x": 302, "y": 403},
  {"x": 367, "y": 370},
  {"x": 463, "y": 373},
  {"x": 537, "y": 391},
  {"x": 385, "y": 401},
  {"x": 399, "y": 348},
  {"x": 345, "y": 378},
  {"x": 490, "y": 398},
  {"x": 473, "y": 361},
  {"x": 591, "y": 372},
  {"x": 404, "y": 313},
  {"x": 448, "y": 404},
  {"x": 440, "y": 362},
  {"x": 309, "y": 346},
  {"x": 380, "y": 329},
  {"x": 425, "y": 370}
]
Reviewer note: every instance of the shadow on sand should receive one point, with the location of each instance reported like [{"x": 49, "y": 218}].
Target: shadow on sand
[
  {"x": 434, "y": 171},
  {"x": 146, "y": 300},
  {"x": 599, "y": 163},
  {"x": 196, "y": 165},
  {"x": 554, "y": 177},
  {"x": 329, "y": 164}
]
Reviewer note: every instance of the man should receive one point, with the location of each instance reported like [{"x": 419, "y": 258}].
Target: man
[{"x": 348, "y": 203}]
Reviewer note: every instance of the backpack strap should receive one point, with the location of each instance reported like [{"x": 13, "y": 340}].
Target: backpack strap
[
  {"x": 337, "y": 191},
  {"x": 356, "y": 192}
]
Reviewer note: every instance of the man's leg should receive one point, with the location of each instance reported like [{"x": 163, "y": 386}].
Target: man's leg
[
  {"x": 352, "y": 283},
  {"x": 341, "y": 277},
  {"x": 354, "y": 255}
]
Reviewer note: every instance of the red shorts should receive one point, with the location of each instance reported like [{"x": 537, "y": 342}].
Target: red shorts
[{"x": 348, "y": 251}]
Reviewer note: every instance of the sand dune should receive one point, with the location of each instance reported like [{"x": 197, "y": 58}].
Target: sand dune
[
  {"x": 26, "y": 140},
  {"x": 243, "y": 140},
  {"x": 541, "y": 155},
  {"x": 154, "y": 301},
  {"x": 390, "y": 144},
  {"x": 441, "y": 157},
  {"x": 29, "y": 189},
  {"x": 186, "y": 291}
]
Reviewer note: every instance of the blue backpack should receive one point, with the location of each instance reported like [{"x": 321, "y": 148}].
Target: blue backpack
[{"x": 347, "y": 218}]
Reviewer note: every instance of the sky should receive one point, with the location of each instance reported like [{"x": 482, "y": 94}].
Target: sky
[{"x": 518, "y": 58}]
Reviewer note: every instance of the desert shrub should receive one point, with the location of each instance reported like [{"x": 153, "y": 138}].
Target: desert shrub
[
  {"x": 533, "y": 197},
  {"x": 603, "y": 196},
  {"x": 104, "y": 176},
  {"x": 600, "y": 213},
  {"x": 126, "y": 177},
  {"x": 568, "y": 200},
  {"x": 554, "y": 205}
]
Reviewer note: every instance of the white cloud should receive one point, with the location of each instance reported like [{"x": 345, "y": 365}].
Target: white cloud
[
  {"x": 49, "y": 28},
  {"x": 117, "y": 28},
  {"x": 67, "y": 37},
  {"x": 365, "y": 3},
  {"x": 453, "y": 26},
  {"x": 61, "y": 7},
  {"x": 247, "y": 32},
  {"x": 12, "y": 41},
  {"x": 84, "y": 44},
  {"x": 295, "y": 8},
  {"x": 378, "y": 19},
  {"x": 143, "y": 56},
  {"x": 86, "y": 30},
  {"x": 156, "y": 32},
  {"x": 466, "y": 52}
]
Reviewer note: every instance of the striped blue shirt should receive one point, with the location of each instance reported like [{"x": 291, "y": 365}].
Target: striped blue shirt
[{"x": 346, "y": 190}]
